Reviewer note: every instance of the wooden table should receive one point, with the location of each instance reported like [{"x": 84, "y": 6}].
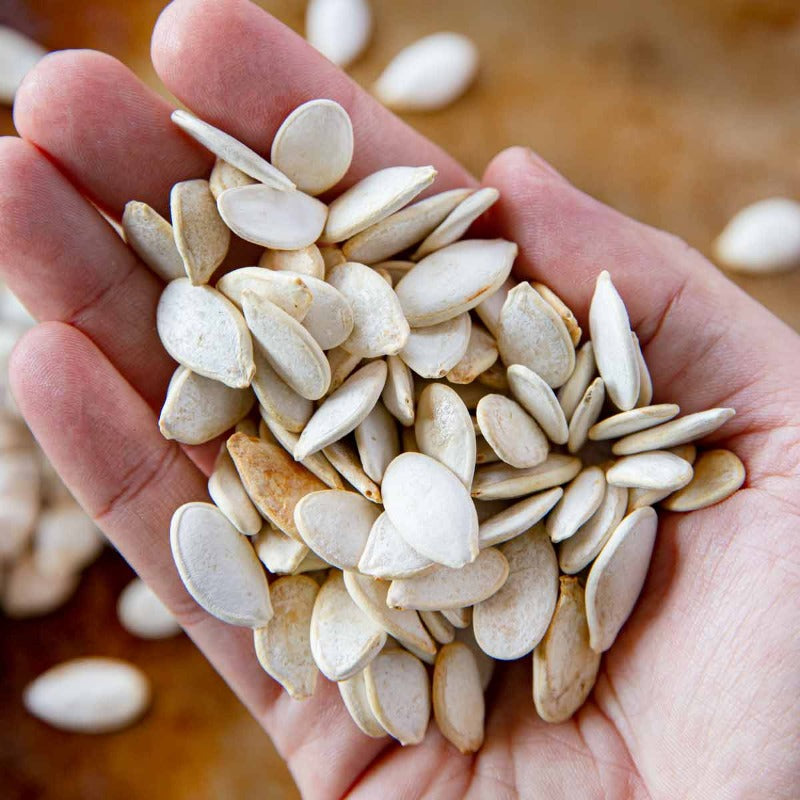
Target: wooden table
[{"x": 678, "y": 112}]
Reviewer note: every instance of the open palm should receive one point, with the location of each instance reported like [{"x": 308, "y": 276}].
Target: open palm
[{"x": 700, "y": 696}]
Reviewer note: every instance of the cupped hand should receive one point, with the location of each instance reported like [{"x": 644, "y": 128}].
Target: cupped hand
[{"x": 700, "y": 695}]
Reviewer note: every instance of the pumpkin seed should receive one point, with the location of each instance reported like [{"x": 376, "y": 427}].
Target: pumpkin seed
[
  {"x": 488, "y": 310},
  {"x": 513, "y": 435},
  {"x": 378, "y": 441},
  {"x": 717, "y": 475},
  {"x": 563, "y": 311},
  {"x": 339, "y": 29},
  {"x": 279, "y": 402},
  {"x": 571, "y": 393},
  {"x": 585, "y": 415},
  {"x": 345, "y": 461},
  {"x": 481, "y": 353},
  {"x": 151, "y": 238},
  {"x": 518, "y": 518},
  {"x": 439, "y": 628},
  {"x": 305, "y": 261},
  {"x": 533, "y": 393},
  {"x": 332, "y": 255},
  {"x": 279, "y": 553},
  {"x": 458, "y": 703},
  {"x": 387, "y": 555},
  {"x": 18, "y": 56},
  {"x": 142, "y": 614},
  {"x": 226, "y": 176},
  {"x": 637, "y": 419},
  {"x": 645, "y": 381},
  {"x": 330, "y": 318},
  {"x": 342, "y": 365},
  {"x": 398, "y": 393},
  {"x": 434, "y": 350},
  {"x": 677, "y": 431},
  {"x": 484, "y": 454},
  {"x": 354, "y": 695},
  {"x": 459, "y": 618},
  {"x": 285, "y": 290},
  {"x": 226, "y": 490},
  {"x": 655, "y": 469},
  {"x": 498, "y": 481},
  {"x": 66, "y": 539}
]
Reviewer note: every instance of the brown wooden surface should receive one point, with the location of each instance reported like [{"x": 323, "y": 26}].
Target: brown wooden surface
[{"x": 677, "y": 112}]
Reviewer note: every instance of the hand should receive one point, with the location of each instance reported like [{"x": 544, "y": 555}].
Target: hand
[{"x": 700, "y": 695}]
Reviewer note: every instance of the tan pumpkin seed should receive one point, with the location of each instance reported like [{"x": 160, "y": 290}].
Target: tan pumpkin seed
[
  {"x": 510, "y": 623},
  {"x": 484, "y": 454},
  {"x": 384, "y": 273},
  {"x": 433, "y": 351},
  {"x": 151, "y": 238},
  {"x": 202, "y": 238},
  {"x": 564, "y": 666},
  {"x": 454, "y": 280},
  {"x": 314, "y": 145},
  {"x": 378, "y": 441},
  {"x": 288, "y": 347},
  {"x": 399, "y": 695},
  {"x": 387, "y": 555},
  {"x": 274, "y": 218},
  {"x": 488, "y": 310},
  {"x": 354, "y": 696},
  {"x": 332, "y": 255},
  {"x": 198, "y": 409},
  {"x": 279, "y": 553},
  {"x": 563, "y": 311},
  {"x": 305, "y": 261},
  {"x": 396, "y": 269},
  {"x": 637, "y": 419},
  {"x": 458, "y": 704},
  {"x": 456, "y": 224},
  {"x": 279, "y": 402},
  {"x": 498, "y": 481},
  {"x": 342, "y": 411},
  {"x": 202, "y": 330},
  {"x": 656, "y": 469},
  {"x": 443, "y": 430},
  {"x": 677, "y": 431},
  {"x": 438, "y": 627},
  {"x": 142, "y": 614},
  {"x": 571, "y": 393},
  {"x": 379, "y": 327},
  {"x": 580, "y": 549},
  {"x": 470, "y": 394},
  {"x": 28, "y": 592},
  {"x": 346, "y": 462},
  {"x": 495, "y": 378},
  {"x": 717, "y": 475},
  {"x": 226, "y": 490},
  {"x": 484, "y": 663},
  {"x": 645, "y": 381},
  {"x": 582, "y": 497},
  {"x": 224, "y": 146},
  {"x": 272, "y": 479},
  {"x": 513, "y": 435},
  {"x": 534, "y": 394},
  {"x": 481, "y": 353},
  {"x": 89, "y": 695},
  {"x": 518, "y": 518},
  {"x": 446, "y": 530},
  {"x": 226, "y": 176},
  {"x": 402, "y": 229},
  {"x": 446, "y": 587},
  {"x": 459, "y": 618},
  {"x": 287, "y": 291},
  {"x": 235, "y": 588},
  {"x": 342, "y": 365},
  {"x": 398, "y": 393},
  {"x": 532, "y": 334},
  {"x": 617, "y": 576},
  {"x": 283, "y": 645},
  {"x": 339, "y": 29},
  {"x": 585, "y": 415},
  {"x": 374, "y": 198},
  {"x": 343, "y": 638}
]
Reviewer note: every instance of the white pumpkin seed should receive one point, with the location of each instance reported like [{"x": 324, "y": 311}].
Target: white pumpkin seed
[
  {"x": 27, "y": 592},
  {"x": 398, "y": 393},
  {"x": 141, "y": 612},
  {"x": 532, "y": 334},
  {"x": 433, "y": 351},
  {"x": 637, "y": 419},
  {"x": 332, "y": 255},
  {"x": 354, "y": 695},
  {"x": 638, "y": 498},
  {"x": 279, "y": 553},
  {"x": 439, "y": 628},
  {"x": 202, "y": 330},
  {"x": 379, "y": 327},
  {"x": 287, "y": 291},
  {"x": 342, "y": 365},
  {"x": 226, "y": 176},
  {"x": 316, "y": 568},
  {"x": 151, "y": 238},
  {"x": 429, "y": 74},
  {"x": 512, "y": 622},
  {"x": 455, "y": 279},
  {"x": 89, "y": 695},
  {"x": 374, "y": 198},
  {"x": 218, "y": 566},
  {"x": 571, "y": 393},
  {"x": 498, "y": 481},
  {"x": 346, "y": 462},
  {"x": 224, "y": 146},
  {"x": 456, "y": 224},
  {"x": 339, "y": 29},
  {"x": 279, "y": 402},
  {"x": 378, "y": 441},
  {"x": 343, "y": 638},
  {"x": 645, "y": 381},
  {"x": 717, "y": 475},
  {"x": 582, "y": 497},
  {"x": 305, "y": 261},
  {"x": 481, "y": 353},
  {"x": 534, "y": 394},
  {"x": 518, "y": 518},
  {"x": 617, "y": 576},
  {"x": 314, "y": 145},
  {"x": 18, "y": 56},
  {"x": 655, "y": 469},
  {"x": 342, "y": 411},
  {"x": 459, "y": 618},
  {"x": 564, "y": 666},
  {"x": 488, "y": 310},
  {"x": 513, "y": 435},
  {"x": 66, "y": 539},
  {"x": 677, "y": 431},
  {"x": 198, "y": 409},
  {"x": 283, "y": 645},
  {"x": 275, "y": 218},
  {"x": 585, "y": 415},
  {"x": 563, "y": 311},
  {"x": 387, "y": 555}
]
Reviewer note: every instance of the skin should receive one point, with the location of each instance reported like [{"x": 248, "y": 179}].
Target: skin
[{"x": 700, "y": 695}]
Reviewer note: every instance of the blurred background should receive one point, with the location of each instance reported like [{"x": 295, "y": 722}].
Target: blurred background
[{"x": 676, "y": 112}]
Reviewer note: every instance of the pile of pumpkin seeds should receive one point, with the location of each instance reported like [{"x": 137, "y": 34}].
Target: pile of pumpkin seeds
[{"x": 445, "y": 471}]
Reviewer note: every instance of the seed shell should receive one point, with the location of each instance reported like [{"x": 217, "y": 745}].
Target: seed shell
[
  {"x": 433, "y": 351},
  {"x": 518, "y": 518},
  {"x": 458, "y": 703},
  {"x": 499, "y": 481},
  {"x": 637, "y": 419},
  {"x": 512, "y": 434},
  {"x": 717, "y": 475},
  {"x": 581, "y": 499},
  {"x": 655, "y": 469},
  {"x": 675, "y": 432},
  {"x": 226, "y": 490},
  {"x": 152, "y": 239}
]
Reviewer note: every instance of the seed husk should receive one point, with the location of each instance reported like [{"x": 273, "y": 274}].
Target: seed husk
[
  {"x": 374, "y": 198},
  {"x": 446, "y": 530},
  {"x": 288, "y": 347},
  {"x": 484, "y": 454},
  {"x": 332, "y": 255},
  {"x": 305, "y": 261},
  {"x": 433, "y": 351},
  {"x": 342, "y": 411},
  {"x": 499, "y": 481},
  {"x": 339, "y": 29},
  {"x": 585, "y": 415},
  {"x": 398, "y": 393},
  {"x": 563, "y": 311},
  {"x": 330, "y": 318},
  {"x": 518, "y": 518},
  {"x": 378, "y": 441},
  {"x": 279, "y": 402},
  {"x": 342, "y": 365},
  {"x": 152, "y": 239},
  {"x": 202, "y": 330},
  {"x": 512, "y": 434},
  {"x": 379, "y": 327},
  {"x": 226, "y": 176},
  {"x": 637, "y": 419},
  {"x": 279, "y": 553},
  {"x": 645, "y": 381},
  {"x": 283, "y": 645},
  {"x": 655, "y": 469},
  {"x": 564, "y": 666},
  {"x": 717, "y": 475},
  {"x": 346, "y": 462},
  {"x": 488, "y": 310},
  {"x": 677, "y": 431},
  {"x": 343, "y": 638},
  {"x": 398, "y": 690},
  {"x": 438, "y": 626},
  {"x": 235, "y": 590},
  {"x": 458, "y": 703},
  {"x": 198, "y": 409},
  {"x": 444, "y": 431},
  {"x": 402, "y": 229},
  {"x": 571, "y": 393},
  {"x": 224, "y": 146},
  {"x": 142, "y": 614},
  {"x": 314, "y": 145},
  {"x": 272, "y": 479},
  {"x": 202, "y": 238},
  {"x": 454, "y": 280},
  {"x": 532, "y": 334},
  {"x": 617, "y": 576},
  {"x": 28, "y": 592},
  {"x": 580, "y": 549},
  {"x": 455, "y": 225},
  {"x": 387, "y": 555},
  {"x": 538, "y": 399},
  {"x": 459, "y": 618},
  {"x": 354, "y": 695},
  {"x": 285, "y": 290},
  {"x": 66, "y": 539},
  {"x": 396, "y": 269},
  {"x": 226, "y": 490},
  {"x": 481, "y": 353},
  {"x": 581, "y": 499}
]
